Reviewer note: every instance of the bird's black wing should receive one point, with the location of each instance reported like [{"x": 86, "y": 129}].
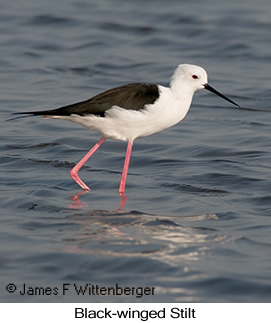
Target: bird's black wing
[{"x": 131, "y": 96}]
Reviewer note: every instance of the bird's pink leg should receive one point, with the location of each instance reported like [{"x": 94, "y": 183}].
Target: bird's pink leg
[
  {"x": 125, "y": 168},
  {"x": 76, "y": 168}
]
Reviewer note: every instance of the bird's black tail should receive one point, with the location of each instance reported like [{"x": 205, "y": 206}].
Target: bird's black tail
[{"x": 20, "y": 115}]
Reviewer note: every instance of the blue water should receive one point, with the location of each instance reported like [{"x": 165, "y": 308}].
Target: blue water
[{"x": 196, "y": 224}]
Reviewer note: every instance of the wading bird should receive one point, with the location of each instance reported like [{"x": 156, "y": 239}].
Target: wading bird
[{"x": 132, "y": 111}]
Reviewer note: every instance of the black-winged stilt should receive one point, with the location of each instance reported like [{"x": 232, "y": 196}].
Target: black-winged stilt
[{"x": 132, "y": 111}]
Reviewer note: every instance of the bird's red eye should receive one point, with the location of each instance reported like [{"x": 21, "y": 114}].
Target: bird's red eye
[{"x": 195, "y": 77}]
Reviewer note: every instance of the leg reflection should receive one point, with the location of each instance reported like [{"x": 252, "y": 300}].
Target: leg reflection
[{"x": 76, "y": 202}]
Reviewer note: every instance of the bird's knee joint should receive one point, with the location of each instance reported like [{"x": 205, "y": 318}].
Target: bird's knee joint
[{"x": 73, "y": 172}]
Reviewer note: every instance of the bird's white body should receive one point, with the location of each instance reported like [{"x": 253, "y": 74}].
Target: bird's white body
[
  {"x": 169, "y": 109},
  {"x": 123, "y": 124}
]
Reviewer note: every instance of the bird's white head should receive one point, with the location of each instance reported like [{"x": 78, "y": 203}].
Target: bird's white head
[{"x": 188, "y": 78}]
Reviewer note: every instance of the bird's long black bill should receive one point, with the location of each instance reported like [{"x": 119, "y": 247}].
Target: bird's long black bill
[{"x": 211, "y": 89}]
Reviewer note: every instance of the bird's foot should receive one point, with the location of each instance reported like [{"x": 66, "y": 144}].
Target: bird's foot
[{"x": 124, "y": 199}]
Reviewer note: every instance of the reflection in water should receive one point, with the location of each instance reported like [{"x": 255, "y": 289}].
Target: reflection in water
[
  {"x": 133, "y": 234},
  {"x": 78, "y": 204},
  {"x": 156, "y": 241}
]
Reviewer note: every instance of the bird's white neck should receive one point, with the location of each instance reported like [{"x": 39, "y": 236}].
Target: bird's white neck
[{"x": 180, "y": 90}]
